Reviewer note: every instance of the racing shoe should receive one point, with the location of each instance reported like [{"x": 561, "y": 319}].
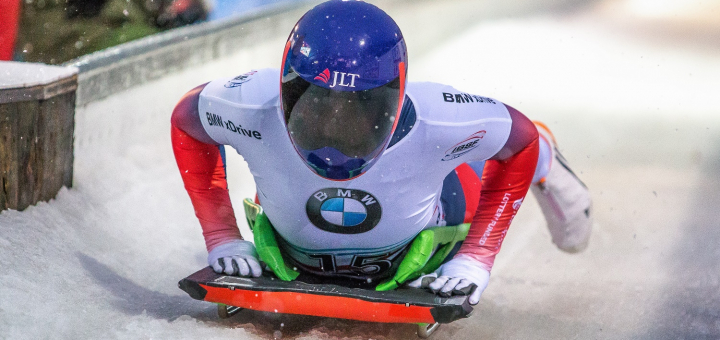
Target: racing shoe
[{"x": 564, "y": 199}]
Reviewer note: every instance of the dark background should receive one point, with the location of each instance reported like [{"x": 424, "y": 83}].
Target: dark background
[{"x": 55, "y": 31}]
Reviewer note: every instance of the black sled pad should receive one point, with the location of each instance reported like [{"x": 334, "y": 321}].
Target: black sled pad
[{"x": 269, "y": 294}]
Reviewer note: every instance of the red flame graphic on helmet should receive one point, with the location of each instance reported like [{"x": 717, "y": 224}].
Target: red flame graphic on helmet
[{"x": 324, "y": 76}]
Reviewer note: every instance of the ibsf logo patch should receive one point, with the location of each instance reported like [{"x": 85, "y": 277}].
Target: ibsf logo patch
[
  {"x": 465, "y": 146},
  {"x": 239, "y": 80},
  {"x": 343, "y": 211}
]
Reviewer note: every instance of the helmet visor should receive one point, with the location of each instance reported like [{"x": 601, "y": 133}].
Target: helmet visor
[{"x": 345, "y": 129}]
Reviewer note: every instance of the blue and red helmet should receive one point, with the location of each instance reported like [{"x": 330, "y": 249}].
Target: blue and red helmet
[{"x": 342, "y": 86}]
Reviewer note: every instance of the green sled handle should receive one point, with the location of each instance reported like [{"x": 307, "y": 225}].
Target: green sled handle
[
  {"x": 252, "y": 209},
  {"x": 265, "y": 242},
  {"x": 418, "y": 261}
]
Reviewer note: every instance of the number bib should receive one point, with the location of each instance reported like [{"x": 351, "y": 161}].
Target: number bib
[{"x": 344, "y": 264}]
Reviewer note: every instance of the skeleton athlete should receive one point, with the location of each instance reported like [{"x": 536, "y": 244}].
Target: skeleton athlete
[{"x": 351, "y": 161}]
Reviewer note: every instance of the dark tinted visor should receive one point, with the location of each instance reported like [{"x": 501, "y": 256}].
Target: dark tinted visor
[{"x": 356, "y": 123}]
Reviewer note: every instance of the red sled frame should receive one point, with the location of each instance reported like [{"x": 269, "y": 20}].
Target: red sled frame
[{"x": 267, "y": 293}]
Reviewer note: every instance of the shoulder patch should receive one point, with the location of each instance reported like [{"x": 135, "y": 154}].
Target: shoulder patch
[
  {"x": 465, "y": 146},
  {"x": 241, "y": 79}
]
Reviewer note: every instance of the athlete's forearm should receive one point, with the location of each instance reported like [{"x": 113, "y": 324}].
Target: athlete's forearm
[
  {"x": 504, "y": 186},
  {"x": 203, "y": 173}
]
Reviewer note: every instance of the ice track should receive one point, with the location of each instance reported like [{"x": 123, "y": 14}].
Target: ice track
[{"x": 629, "y": 89}]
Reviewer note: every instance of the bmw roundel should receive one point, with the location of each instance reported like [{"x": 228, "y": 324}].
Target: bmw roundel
[{"x": 343, "y": 211}]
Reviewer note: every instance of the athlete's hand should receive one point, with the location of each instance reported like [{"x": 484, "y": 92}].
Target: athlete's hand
[
  {"x": 459, "y": 276},
  {"x": 235, "y": 258}
]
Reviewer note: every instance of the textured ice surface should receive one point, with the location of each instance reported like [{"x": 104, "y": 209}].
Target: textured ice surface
[{"x": 637, "y": 119}]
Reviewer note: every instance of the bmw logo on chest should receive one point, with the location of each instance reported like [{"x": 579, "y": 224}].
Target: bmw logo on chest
[{"x": 343, "y": 211}]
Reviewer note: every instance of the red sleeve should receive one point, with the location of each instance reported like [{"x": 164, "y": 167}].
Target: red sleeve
[
  {"x": 203, "y": 173},
  {"x": 504, "y": 186}
]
